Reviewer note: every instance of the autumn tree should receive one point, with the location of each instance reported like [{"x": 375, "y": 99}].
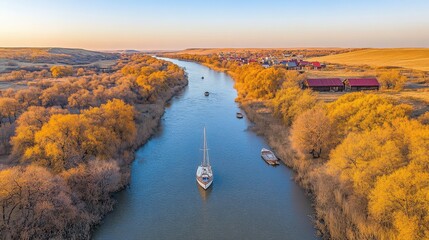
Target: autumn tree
[
  {"x": 59, "y": 143},
  {"x": 93, "y": 183},
  {"x": 9, "y": 108},
  {"x": 399, "y": 202},
  {"x": 392, "y": 79},
  {"x": 53, "y": 96},
  {"x": 37, "y": 205},
  {"x": 362, "y": 157},
  {"x": 81, "y": 99},
  {"x": 355, "y": 112},
  {"x": 311, "y": 133},
  {"x": 291, "y": 101},
  {"x": 61, "y": 71},
  {"x": 115, "y": 115},
  {"x": 28, "y": 97},
  {"x": 28, "y": 124}
]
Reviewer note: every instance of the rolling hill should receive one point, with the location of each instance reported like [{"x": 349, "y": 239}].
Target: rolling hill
[
  {"x": 413, "y": 58},
  {"x": 15, "y": 58}
]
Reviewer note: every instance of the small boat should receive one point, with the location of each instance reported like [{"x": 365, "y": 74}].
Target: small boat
[
  {"x": 204, "y": 173},
  {"x": 206, "y": 94},
  {"x": 239, "y": 115},
  {"x": 269, "y": 157},
  {"x": 202, "y": 77}
]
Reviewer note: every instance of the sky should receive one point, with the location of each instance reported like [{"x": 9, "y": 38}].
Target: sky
[{"x": 171, "y": 25}]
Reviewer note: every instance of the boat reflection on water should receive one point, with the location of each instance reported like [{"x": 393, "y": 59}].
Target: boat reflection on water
[{"x": 205, "y": 194}]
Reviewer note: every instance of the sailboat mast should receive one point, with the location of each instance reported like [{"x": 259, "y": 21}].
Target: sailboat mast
[
  {"x": 206, "y": 155},
  {"x": 207, "y": 150},
  {"x": 204, "y": 148}
]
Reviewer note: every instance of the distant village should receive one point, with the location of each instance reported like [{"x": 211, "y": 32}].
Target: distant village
[{"x": 296, "y": 62}]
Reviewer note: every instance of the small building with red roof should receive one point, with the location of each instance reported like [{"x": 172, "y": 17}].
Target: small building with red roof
[
  {"x": 316, "y": 65},
  {"x": 324, "y": 84},
  {"x": 361, "y": 84}
]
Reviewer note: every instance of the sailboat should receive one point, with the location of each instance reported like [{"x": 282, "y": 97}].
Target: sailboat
[{"x": 204, "y": 171}]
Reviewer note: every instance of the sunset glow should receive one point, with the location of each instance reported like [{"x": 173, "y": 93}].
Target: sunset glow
[{"x": 178, "y": 25}]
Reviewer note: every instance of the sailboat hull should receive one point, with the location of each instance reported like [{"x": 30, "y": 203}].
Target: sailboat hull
[
  {"x": 204, "y": 176},
  {"x": 204, "y": 185}
]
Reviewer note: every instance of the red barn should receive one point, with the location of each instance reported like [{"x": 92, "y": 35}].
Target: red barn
[
  {"x": 324, "y": 84},
  {"x": 361, "y": 84}
]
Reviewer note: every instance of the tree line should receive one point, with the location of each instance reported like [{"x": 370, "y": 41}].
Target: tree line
[{"x": 71, "y": 142}]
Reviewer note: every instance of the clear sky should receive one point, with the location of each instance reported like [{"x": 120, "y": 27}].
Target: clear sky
[{"x": 168, "y": 24}]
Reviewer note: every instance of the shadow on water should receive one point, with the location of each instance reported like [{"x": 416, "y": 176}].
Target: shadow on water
[{"x": 205, "y": 194}]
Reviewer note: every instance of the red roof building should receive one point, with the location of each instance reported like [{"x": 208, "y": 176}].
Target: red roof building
[
  {"x": 316, "y": 64},
  {"x": 360, "y": 84},
  {"x": 324, "y": 84}
]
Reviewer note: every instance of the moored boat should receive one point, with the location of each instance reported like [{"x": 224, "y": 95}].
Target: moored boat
[
  {"x": 269, "y": 157},
  {"x": 204, "y": 173},
  {"x": 239, "y": 115},
  {"x": 206, "y": 94}
]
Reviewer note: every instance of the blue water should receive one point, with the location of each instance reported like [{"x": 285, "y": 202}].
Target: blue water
[{"x": 248, "y": 199}]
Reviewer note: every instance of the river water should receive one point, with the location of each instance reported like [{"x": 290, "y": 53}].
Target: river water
[{"x": 248, "y": 199}]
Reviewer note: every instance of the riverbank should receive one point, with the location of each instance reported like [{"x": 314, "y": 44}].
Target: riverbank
[
  {"x": 73, "y": 146},
  {"x": 148, "y": 117}
]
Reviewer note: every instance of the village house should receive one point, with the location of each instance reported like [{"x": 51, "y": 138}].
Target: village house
[
  {"x": 290, "y": 64},
  {"x": 316, "y": 65},
  {"x": 303, "y": 65},
  {"x": 323, "y": 84},
  {"x": 361, "y": 84}
]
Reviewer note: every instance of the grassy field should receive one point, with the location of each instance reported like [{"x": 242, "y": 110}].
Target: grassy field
[{"x": 413, "y": 58}]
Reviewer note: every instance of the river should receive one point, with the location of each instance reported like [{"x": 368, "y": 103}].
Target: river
[{"x": 248, "y": 199}]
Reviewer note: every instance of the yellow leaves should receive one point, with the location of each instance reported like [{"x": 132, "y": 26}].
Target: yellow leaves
[
  {"x": 356, "y": 112},
  {"x": 61, "y": 71},
  {"x": 255, "y": 82},
  {"x": 311, "y": 133},
  {"x": 400, "y": 202},
  {"x": 290, "y": 102},
  {"x": 389, "y": 166},
  {"x": 407, "y": 227},
  {"x": 392, "y": 79},
  {"x": 362, "y": 157},
  {"x": 69, "y": 139},
  {"x": 424, "y": 118}
]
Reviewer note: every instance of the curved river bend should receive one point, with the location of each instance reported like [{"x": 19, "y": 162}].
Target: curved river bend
[{"x": 248, "y": 199}]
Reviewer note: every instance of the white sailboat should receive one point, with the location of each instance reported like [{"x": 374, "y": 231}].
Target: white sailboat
[{"x": 204, "y": 171}]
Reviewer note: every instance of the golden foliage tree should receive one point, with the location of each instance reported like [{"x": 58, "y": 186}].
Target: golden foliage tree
[
  {"x": 400, "y": 204},
  {"x": 36, "y": 205},
  {"x": 311, "y": 133},
  {"x": 355, "y": 112},
  {"x": 59, "y": 143},
  {"x": 9, "y": 108},
  {"x": 291, "y": 101},
  {"x": 61, "y": 71},
  {"x": 28, "y": 124},
  {"x": 392, "y": 79}
]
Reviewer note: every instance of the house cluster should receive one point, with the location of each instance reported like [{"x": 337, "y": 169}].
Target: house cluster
[
  {"x": 290, "y": 61},
  {"x": 295, "y": 64},
  {"x": 339, "y": 85}
]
